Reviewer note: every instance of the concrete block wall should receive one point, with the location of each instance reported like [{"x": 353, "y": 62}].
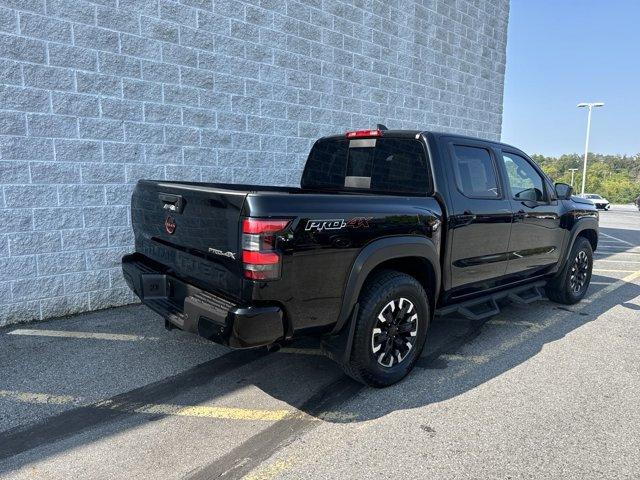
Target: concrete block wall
[{"x": 97, "y": 94}]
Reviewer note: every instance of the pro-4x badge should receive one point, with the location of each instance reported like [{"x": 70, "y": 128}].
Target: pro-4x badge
[
  {"x": 319, "y": 225},
  {"x": 338, "y": 223},
  {"x": 169, "y": 225}
]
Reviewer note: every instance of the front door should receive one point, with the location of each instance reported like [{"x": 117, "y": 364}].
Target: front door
[
  {"x": 536, "y": 236},
  {"x": 480, "y": 223}
]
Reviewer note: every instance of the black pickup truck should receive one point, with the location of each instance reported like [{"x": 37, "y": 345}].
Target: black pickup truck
[{"x": 387, "y": 228}]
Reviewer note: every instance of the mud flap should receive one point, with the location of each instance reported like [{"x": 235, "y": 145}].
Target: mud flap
[{"x": 338, "y": 346}]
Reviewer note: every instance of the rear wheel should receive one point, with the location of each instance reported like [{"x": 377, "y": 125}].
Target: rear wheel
[
  {"x": 571, "y": 285},
  {"x": 391, "y": 329}
]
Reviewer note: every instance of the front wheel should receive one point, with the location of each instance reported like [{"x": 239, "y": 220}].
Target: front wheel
[
  {"x": 571, "y": 284},
  {"x": 391, "y": 329}
]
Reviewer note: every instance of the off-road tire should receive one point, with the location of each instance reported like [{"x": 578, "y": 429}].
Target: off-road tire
[
  {"x": 383, "y": 287},
  {"x": 559, "y": 289}
]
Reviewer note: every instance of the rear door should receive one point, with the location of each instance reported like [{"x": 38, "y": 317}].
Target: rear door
[
  {"x": 193, "y": 229},
  {"x": 480, "y": 220},
  {"x": 536, "y": 236}
]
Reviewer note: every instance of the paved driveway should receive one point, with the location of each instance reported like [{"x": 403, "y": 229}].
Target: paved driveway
[{"x": 538, "y": 391}]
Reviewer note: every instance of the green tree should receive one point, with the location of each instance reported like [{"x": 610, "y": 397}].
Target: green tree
[{"x": 616, "y": 177}]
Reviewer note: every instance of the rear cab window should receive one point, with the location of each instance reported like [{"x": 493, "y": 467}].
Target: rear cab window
[{"x": 385, "y": 165}]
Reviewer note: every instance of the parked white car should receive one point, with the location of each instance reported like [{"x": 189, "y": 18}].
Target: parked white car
[{"x": 601, "y": 203}]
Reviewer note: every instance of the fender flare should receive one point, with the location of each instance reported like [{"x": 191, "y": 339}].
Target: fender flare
[
  {"x": 582, "y": 224},
  {"x": 378, "y": 252}
]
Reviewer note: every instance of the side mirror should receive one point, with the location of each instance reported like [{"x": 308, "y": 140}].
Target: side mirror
[{"x": 564, "y": 191}]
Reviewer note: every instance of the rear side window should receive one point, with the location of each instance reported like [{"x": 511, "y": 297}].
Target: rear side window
[
  {"x": 475, "y": 172},
  {"x": 394, "y": 165}
]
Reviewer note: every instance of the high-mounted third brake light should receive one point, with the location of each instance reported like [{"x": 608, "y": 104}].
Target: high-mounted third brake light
[
  {"x": 364, "y": 133},
  {"x": 261, "y": 261}
]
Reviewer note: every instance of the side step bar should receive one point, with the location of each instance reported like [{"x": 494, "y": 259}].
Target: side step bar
[{"x": 487, "y": 306}]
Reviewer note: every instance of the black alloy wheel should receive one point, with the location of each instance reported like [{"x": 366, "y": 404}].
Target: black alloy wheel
[
  {"x": 579, "y": 272},
  {"x": 395, "y": 332},
  {"x": 570, "y": 285},
  {"x": 390, "y": 329}
]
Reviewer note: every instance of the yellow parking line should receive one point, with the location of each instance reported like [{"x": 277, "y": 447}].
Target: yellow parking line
[
  {"x": 68, "y": 334},
  {"x": 200, "y": 411},
  {"x": 173, "y": 410},
  {"x": 195, "y": 411},
  {"x": 269, "y": 471},
  {"x": 41, "y": 398},
  {"x": 614, "y": 286}
]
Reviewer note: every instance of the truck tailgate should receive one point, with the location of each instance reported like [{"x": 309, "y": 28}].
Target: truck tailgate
[{"x": 193, "y": 230}]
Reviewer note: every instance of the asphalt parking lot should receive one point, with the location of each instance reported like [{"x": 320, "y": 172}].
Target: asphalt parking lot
[{"x": 538, "y": 391}]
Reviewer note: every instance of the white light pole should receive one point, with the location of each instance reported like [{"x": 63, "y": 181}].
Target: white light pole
[
  {"x": 586, "y": 143},
  {"x": 573, "y": 171}
]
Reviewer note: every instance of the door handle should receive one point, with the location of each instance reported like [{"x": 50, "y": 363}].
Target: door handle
[
  {"x": 171, "y": 203},
  {"x": 466, "y": 218}
]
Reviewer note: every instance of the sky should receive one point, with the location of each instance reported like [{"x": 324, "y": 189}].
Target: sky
[{"x": 561, "y": 53}]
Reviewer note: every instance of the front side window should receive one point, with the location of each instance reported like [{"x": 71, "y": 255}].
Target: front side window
[
  {"x": 475, "y": 172},
  {"x": 525, "y": 182}
]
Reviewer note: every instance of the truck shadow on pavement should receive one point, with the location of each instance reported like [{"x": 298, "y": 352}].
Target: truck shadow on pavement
[{"x": 461, "y": 355}]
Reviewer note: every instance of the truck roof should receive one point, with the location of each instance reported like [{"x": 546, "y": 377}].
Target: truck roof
[{"x": 405, "y": 133}]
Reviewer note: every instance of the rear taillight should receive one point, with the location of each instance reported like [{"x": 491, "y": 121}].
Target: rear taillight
[{"x": 260, "y": 260}]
